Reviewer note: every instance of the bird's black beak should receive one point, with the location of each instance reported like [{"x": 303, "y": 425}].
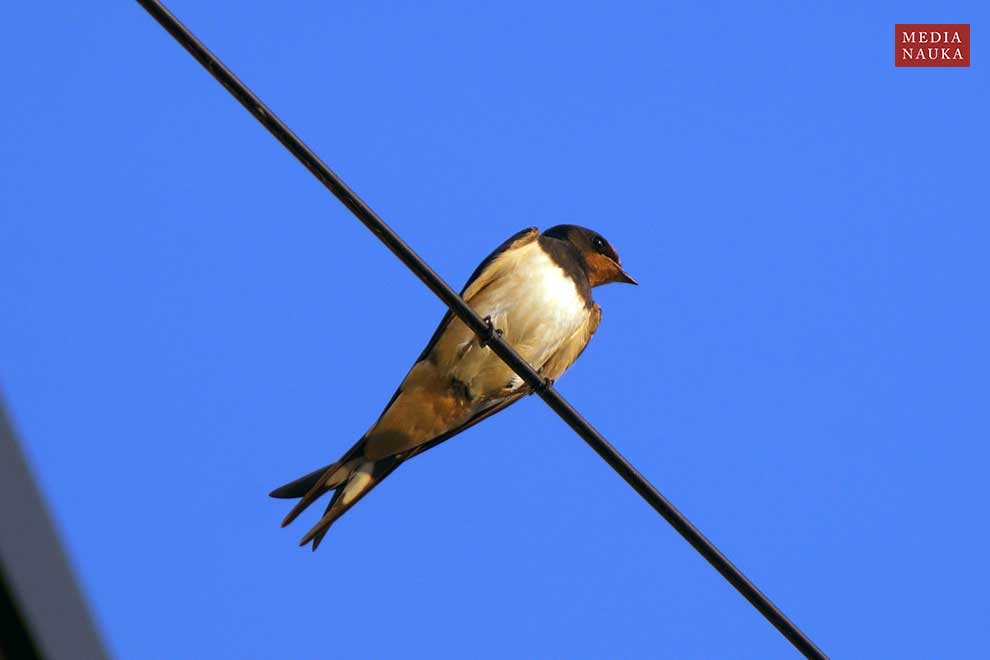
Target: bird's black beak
[{"x": 626, "y": 278}]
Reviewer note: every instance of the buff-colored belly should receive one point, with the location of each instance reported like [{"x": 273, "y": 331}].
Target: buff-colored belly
[{"x": 537, "y": 308}]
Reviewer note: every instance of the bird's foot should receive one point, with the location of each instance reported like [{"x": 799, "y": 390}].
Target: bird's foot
[
  {"x": 544, "y": 386},
  {"x": 492, "y": 332}
]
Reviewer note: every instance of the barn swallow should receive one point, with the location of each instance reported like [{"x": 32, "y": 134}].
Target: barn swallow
[{"x": 534, "y": 291}]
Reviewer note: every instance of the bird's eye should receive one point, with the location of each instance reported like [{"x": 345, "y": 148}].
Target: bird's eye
[{"x": 598, "y": 243}]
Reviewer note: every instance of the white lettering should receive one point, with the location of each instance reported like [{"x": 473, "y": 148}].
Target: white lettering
[
  {"x": 931, "y": 38},
  {"x": 931, "y": 53}
]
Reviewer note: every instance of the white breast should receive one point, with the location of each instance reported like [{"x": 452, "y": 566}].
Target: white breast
[{"x": 537, "y": 307}]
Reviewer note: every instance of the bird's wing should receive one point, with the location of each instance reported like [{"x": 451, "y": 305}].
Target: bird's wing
[
  {"x": 477, "y": 417},
  {"x": 571, "y": 349},
  {"x": 377, "y": 470},
  {"x": 426, "y": 407},
  {"x": 481, "y": 278},
  {"x": 563, "y": 358}
]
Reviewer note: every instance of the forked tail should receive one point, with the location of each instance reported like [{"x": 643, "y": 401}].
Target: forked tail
[{"x": 350, "y": 479}]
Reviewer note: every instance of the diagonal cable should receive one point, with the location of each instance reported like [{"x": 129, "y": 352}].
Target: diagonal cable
[{"x": 393, "y": 242}]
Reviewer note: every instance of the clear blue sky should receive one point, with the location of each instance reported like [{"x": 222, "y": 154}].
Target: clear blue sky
[{"x": 189, "y": 319}]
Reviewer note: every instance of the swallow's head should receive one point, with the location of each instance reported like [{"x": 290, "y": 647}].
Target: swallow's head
[{"x": 601, "y": 261}]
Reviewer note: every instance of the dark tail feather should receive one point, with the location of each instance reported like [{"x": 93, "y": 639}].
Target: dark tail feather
[
  {"x": 321, "y": 528},
  {"x": 308, "y": 486},
  {"x": 330, "y": 477},
  {"x": 350, "y": 478},
  {"x": 300, "y": 486},
  {"x": 358, "y": 484}
]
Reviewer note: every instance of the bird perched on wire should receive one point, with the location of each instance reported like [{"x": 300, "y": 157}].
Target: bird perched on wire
[{"x": 534, "y": 290}]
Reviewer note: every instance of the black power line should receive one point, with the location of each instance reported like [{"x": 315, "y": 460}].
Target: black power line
[{"x": 478, "y": 325}]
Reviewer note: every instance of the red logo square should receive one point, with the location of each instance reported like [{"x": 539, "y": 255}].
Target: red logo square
[{"x": 931, "y": 44}]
